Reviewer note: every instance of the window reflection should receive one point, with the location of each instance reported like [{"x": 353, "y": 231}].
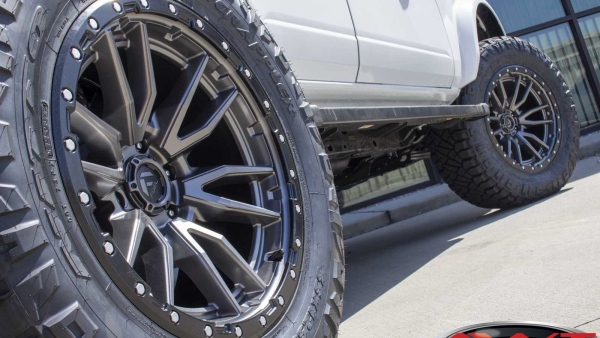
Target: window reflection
[
  {"x": 384, "y": 184},
  {"x": 582, "y": 5},
  {"x": 590, "y": 28},
  {"x": 560, "y": 46},
  {"x": 519, "y": 14}
]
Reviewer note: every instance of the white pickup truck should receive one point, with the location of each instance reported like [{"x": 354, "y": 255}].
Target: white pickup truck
[{"x": 164, "y": 172}]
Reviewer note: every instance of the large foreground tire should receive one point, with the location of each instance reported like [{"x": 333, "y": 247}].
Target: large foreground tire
[
  {"x": 527, "y": 148},
  {"x": 160, "y": 175}
]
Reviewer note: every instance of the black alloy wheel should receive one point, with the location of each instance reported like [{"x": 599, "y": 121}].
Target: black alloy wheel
[
  {"x": 183, "y": 191},
  {"x": 523, "y": 123}
]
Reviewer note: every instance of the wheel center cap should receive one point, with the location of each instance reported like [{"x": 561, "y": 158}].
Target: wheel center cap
[
  {"x": 509, "y": 124},
  {"x": 148, "y": 184},
  {"x": 152, "y": 185}
]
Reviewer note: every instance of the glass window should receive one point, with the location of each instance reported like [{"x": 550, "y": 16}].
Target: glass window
[
  {"x": 590, "y": 28},
  {"x": 519, "y": 14},
  {"x": 559, "y": 44},
  {"x": 582, "y": 5},
  {"x": 385, "y": 184}
]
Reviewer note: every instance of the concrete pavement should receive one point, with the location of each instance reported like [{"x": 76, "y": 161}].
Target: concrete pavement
[{"x": 460, "y": 265}]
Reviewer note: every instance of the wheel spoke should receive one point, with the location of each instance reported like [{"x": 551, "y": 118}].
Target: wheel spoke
[
  {"x": 524, "y": 97},
  {"x": 497, "y": 99},
  {"x": 509, "y": 147},
  {"x": 529, "y": 146},
  {"x": 119, "y": 107},
  {"x": 215, "y": 111},
  {"x": 523, "y": 117},
  {"x": 225, "y": 257},
  {"x": 128, "y": 229},
  {"x": 172, "y": 112},
  {"x": 536, "y": 123},
  {"x": 102, "y": 180},
  {"x": 190, "y": 257},
  {"x": 519, "y": 153},
  {"x": 231, "y": 175},
  {"x": 536, "y": 139},
  {"x": 98, "y": 135},
  {"x": 143, "y": 88},
  {"x": 213, "y": 208},
  {"x": 158, "y": 266},
  {"x": 516, "y": 93},
  {"x": 218, "y": 209},
  {"x": 504, "y": 95}
]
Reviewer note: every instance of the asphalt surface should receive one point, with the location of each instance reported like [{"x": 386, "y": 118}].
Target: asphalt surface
[{"x": 462, "y": 265}]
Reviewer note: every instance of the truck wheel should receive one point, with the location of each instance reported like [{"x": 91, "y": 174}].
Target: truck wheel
[
  {"x": 527, "y": 148},
  {"x": 160, "y": 175}
]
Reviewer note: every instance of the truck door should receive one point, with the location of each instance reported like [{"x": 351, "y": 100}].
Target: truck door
[
  {"x": 402, "y": 42},
  {"x": 317, "y": 36}
]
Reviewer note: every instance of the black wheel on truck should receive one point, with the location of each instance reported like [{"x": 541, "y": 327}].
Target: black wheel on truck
[
  {"x": 527, "y": 148},
  {"x": 160, "y": 175}
]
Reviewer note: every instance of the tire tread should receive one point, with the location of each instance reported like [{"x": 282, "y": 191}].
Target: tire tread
[
  {"x": 29, "y": 282},
  {"x": 334, "y": 304}
]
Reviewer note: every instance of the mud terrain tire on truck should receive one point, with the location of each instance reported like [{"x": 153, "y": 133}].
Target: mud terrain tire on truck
[
  {"x": 527, "y": 149},
  {"x": 160, "y": 175}
]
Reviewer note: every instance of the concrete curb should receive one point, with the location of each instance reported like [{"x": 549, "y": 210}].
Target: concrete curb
[
  {"x": 404, "y": 207},
  {"x": 589, "y": 145}
]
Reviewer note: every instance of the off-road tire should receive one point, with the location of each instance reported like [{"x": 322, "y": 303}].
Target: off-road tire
[
  {"x": 468, "y": 160},
  {"x": 51, "y": 283}
]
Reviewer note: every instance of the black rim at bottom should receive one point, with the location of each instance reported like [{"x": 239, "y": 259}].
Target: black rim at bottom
[{"x": 524, "y": 124}]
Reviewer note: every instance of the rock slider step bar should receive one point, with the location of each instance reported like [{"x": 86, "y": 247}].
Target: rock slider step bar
[{"x": 365, "y": 118}]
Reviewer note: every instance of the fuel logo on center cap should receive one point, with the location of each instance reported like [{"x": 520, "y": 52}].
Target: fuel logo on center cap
[
  {"x": 151, "y": 184},
  {"x": 148, "y": 185}
]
